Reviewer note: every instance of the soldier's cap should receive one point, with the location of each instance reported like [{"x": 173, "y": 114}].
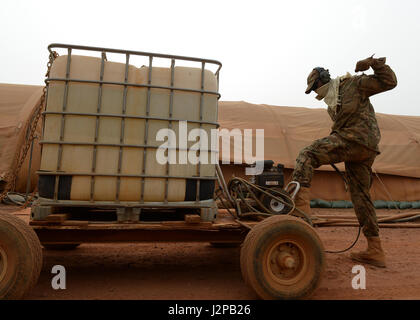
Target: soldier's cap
[{"x": 313, "y": 76}]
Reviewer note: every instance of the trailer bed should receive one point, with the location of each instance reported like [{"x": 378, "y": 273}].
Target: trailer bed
[{"x": 224, "y": 228}]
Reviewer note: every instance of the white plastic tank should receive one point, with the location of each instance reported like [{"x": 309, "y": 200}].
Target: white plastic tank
[{"x": 91, "y": 144}]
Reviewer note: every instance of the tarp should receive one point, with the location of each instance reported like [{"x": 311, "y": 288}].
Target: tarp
[
  {"x": 286, "y": 131},
  {"x": 328, "y": 185},
  {"x": 289, "y": 129},
  {"x": 17, "y": 106}
]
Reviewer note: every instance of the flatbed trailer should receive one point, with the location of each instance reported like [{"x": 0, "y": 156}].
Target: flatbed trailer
[{"x": 282, "y": 256}]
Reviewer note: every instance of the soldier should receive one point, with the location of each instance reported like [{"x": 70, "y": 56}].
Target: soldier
[{"x": 353, "y": 140}]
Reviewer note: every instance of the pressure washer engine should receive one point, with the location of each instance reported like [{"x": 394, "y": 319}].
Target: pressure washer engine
[
  {"x": 272, "y": 180},
  {"x": 263, "y": 192},
  {"x": 271, "y": 177}
]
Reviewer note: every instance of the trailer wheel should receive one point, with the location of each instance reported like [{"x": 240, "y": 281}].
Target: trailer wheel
[
  {"x": 20, "y": 257},
  {"x": 60, "y": 246},
  {"x": 34, "y": 243},
  {"x": 282, "y": 258}
]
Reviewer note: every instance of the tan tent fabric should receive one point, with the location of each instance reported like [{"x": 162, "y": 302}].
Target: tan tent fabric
[
  {"x": 288, "y": 129},
  {"x": 17, "y": 106},
  {"x": 328, "y": 185}
]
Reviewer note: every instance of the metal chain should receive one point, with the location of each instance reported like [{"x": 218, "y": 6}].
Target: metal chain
[
  {"x": 20, "y": 157},
  {"x": 53, "y": 56}
]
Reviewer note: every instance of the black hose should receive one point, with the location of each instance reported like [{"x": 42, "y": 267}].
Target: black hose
[{"x": 352, "y": 245}]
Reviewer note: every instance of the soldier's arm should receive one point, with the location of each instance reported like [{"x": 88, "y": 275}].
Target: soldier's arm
[{"x": 382, "y": 80}]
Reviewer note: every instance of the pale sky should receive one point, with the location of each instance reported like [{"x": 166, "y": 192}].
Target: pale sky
[{"x": 267, "y": 48}]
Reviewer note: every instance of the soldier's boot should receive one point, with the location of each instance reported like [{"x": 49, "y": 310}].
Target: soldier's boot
[
  {"x": 302, "y": 200},
  {"x": 303, "y": 206},
  {"x": 373, "y": 255}
]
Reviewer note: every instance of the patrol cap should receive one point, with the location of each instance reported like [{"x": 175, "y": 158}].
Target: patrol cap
[{"x": 313, "y": 76}]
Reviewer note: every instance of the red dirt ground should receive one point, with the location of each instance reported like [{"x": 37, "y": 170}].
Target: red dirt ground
[{"x": 199, "y": 271}]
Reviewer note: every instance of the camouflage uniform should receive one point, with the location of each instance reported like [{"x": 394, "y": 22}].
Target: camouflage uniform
[{"x": 354, "y": 140}]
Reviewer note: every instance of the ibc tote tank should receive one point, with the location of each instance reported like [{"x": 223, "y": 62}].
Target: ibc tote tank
[{"x": 101, "y": 119}]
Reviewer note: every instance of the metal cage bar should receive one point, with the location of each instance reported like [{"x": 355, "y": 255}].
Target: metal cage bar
[
  {"x": 132, "y": 85},
  {"x": 201, "y": 126},
  {"x": 116, "y": 145},
  {"x": 98, "y": 111},
  {"x": 61, "y": 173},
  {"x": 115, "y": 115},
  {"x": 122, "y": 132},
  {"x": 146, "y": 128},
  {"x": 130, "y": 204},
  {"x": 131, "y": 52},
  {"x": 171, "y": 102},
  {"x": 63, "y": 122}
]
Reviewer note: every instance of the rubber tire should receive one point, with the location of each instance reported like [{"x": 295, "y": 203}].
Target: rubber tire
[
  {"x": 258, "y": 241},
  {"x": 266, "y": 202},
  {"x": 35, "y": 245},
  {"x": 24, "y": 252},
  {"x": 233, "y": 244},
  {"x": 60, "y": 246}
]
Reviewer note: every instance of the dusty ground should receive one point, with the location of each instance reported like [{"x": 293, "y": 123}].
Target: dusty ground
[{"x": 199, "y": 271}]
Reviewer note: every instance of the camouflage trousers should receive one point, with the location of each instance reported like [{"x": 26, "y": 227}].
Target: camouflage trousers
[{"x": 358, "y": 163}]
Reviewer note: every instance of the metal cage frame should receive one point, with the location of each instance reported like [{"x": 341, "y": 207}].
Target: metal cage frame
[{"x": 117, "y": 203}]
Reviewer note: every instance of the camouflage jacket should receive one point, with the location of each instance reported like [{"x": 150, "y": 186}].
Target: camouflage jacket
[{"x": 354, "y": 118}]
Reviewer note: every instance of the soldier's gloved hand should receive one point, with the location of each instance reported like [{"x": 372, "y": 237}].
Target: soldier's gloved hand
[{"x": 365, "y": 64}]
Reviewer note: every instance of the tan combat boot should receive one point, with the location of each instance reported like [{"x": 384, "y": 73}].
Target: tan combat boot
[
  {"x": 373, "y": 255},
  {"x": 302, "y": 200}
]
